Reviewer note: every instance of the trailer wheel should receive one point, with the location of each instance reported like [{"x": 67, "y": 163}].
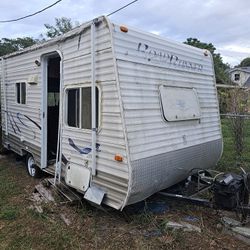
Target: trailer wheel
[{"x": 32, "y": 169}]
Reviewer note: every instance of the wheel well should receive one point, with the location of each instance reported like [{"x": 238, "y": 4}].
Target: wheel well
[{"x": 25, "y": 152}]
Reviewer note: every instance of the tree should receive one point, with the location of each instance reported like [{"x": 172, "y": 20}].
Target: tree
[
  {"x": 219, "y": 66},
  {"x": 11, "y": 45},
  {"x": 61, "y": 26},
  {"x": 245, "y": 62}
]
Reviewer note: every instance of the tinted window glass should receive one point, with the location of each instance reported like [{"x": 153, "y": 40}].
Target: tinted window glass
[
  {"x": 73, "y": 108},
  {"x": 21, "y": 92},
  {"x": 77, "y": 98}
]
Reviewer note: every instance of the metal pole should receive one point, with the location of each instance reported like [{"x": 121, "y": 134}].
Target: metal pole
[
  {"x": 58, "y": 170},
  {"x": 93, "y": 98},
  {"x": 196, "y": 201},
  {"x": 5, "y": 99}
]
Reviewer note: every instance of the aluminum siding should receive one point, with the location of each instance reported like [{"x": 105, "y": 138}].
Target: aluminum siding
[
  {"x": 111, "y": 176},
  {"x": 148, "y": 133},
  {"x": 145, "y": 62},
  {"x": 27, "y": 135}
]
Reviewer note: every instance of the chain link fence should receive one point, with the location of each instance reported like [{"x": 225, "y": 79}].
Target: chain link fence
[{"x": 235, "y": 122}]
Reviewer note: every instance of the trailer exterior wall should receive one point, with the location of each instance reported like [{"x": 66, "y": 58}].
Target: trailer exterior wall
[
  {"x": 163, "y": 152},
  {"x": 111, "y": 176},
  {"x": 23, "y": 135},
  {"x": 75, "y": 48}
]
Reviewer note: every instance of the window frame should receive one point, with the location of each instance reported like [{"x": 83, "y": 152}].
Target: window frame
[
  {"x": 21, "y": 83},
  {"x": 238, "y": 77},
  {"x": 80, "y": 87},
  {"x": 179, "y": 119},
  {"x": 66, "y": 108}
]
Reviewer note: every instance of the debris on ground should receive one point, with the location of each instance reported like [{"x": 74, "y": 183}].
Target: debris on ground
[
  {"x": 236, "y": 228},
  {"x": 40, "y": 195},
  {"x": 229, "y": 222},
  {"x": 153, "y": 233},
  {"x": 186, "y": 227},
  {"x": 36, "y": 197},
  {"x": 65, "y": 219},
  {"x": 37, "y": 208},
  {"x": 241, "y": 233},
  {"x": 244, "y": 231},
  {"x": 44, "y": 192},
  {"x": 191, "y": 218}
]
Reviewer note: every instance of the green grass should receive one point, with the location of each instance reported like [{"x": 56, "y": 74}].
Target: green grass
[
  {"x": 21, "y": 227},
  {"x": 8, "y": 187},
  {"x": 230, "y": 161},
  {"x": 8, "y": 213}
]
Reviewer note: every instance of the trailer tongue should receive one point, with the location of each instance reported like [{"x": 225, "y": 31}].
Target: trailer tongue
[{"x": 229, "y": 191}]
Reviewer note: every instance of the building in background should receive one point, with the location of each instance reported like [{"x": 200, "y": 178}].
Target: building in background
[{"x": 240, "y": 76}]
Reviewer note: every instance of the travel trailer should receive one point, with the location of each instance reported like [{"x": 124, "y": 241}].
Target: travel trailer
[{"x": 115, "y": 113}]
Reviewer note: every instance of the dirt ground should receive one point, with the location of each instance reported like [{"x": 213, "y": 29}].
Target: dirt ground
[{"x": 22, "y": 227}]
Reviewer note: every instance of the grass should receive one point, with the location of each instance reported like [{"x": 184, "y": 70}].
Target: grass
[
  {"x": 21, "y": 227},
  {"x": 90, "y": 228},
  {"x": 230, "y": 161},
  {"x": 8, "y": 213}
]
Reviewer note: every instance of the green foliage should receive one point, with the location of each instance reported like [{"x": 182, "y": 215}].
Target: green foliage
[
  {"x": 223, "y": 96},
  {"x": 8, "y": 213},
  {"x": 11, "y": 45},
  {"x": 245, "y": 62},
  {"x": 145, "y": 218},
  {"x": 230, "y": 160},
  {"x": 197, "y": 43},
  {"x": 238, "y": 106},
  {"x": 219, "y": 66},
  {"x": 235, "y": 101},
  {"x": 61, "y": 26},
  {"x": 7, "y": 188}
]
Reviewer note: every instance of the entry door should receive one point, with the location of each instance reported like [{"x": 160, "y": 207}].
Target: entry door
[
  {"x": 77, "y": 132},
  {"x": 51, "y": 80}
]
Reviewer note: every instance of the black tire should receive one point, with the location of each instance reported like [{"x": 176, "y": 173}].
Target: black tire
[{"x": 32, "y": 169}]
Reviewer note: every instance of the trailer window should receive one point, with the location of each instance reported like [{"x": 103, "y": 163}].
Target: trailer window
[
  {"x": 179, "y": 104},
  {"x": 73, "y": 107},
  {"x": 21, "y": 92},
  {"x": 79, "y": 113}
]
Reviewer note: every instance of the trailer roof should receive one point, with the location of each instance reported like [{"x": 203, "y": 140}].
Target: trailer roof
[
  {"x": 80, "y": 29},
  {"x": 74, "y": 32}
]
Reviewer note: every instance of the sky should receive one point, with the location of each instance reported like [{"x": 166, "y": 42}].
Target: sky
[{"x": 221, "y": 22}]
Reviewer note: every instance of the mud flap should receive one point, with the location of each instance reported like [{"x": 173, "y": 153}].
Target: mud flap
[{"x": 94, "y": 194}]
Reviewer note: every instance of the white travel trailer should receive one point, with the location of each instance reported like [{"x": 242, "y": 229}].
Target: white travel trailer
[{"x": 120, "y": 113}]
